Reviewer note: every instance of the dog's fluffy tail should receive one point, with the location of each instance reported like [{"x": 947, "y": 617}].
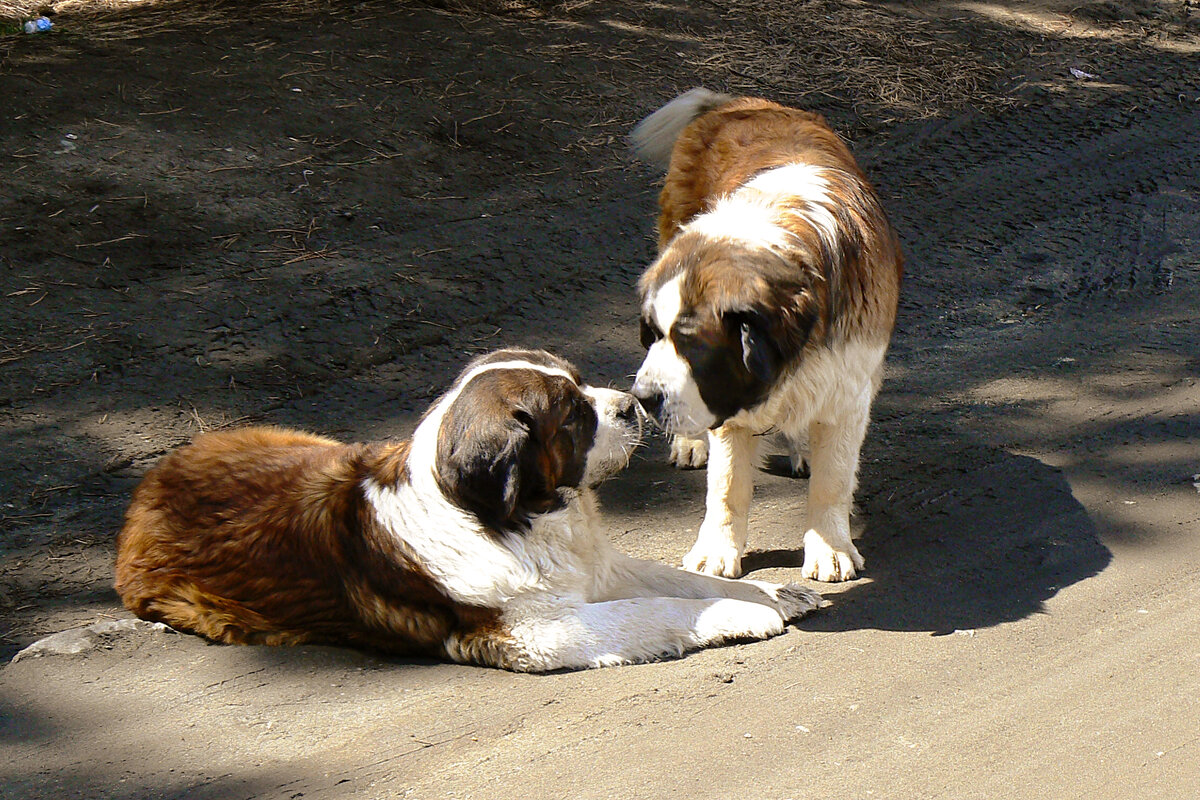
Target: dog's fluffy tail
[{"x": 654, "y": 137}]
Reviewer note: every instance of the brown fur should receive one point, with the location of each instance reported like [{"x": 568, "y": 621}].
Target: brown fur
[
  {"x": 505, "y": 445},
  {"x": 723, "y": 149},
  {"x": 257, "y": 536},
  {"x": 753, "y": 314}
]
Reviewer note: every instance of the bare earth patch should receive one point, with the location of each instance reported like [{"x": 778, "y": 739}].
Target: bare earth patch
[{"x": 313, "y": 213}]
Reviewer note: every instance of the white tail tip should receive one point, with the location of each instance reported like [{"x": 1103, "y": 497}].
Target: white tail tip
[{"x": 654, "y": 137}]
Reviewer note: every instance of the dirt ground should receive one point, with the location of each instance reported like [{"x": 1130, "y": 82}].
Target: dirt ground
[{"x": 313, "y": 215}]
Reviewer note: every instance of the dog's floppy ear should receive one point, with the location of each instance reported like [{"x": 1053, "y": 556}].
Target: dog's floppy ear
[
  {"x": 494, "y": 465},
  {"x": 760, "y": 353},
  {"x": 479, "y": 466},
  {"x": 771, "y": 340},
  {"x": 796, "y": 322}
]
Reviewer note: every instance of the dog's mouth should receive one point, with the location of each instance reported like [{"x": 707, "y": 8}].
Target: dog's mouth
[
  {"x": 637, "y": 420},
  {"x": 603, "y": 463},
  {"x": 630, "y": 436}
]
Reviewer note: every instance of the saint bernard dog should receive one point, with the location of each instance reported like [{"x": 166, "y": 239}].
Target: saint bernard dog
[
  {"x": 477, "y": 541},
  {"x": 769, "y": 308}
]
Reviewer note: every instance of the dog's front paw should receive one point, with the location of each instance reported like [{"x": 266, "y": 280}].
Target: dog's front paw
[
  {"x": 719, "y": 559},
  {"x": 795, "y": 600},
  {"x": 823, "y": 563},
  {"x": 731, "y": 620},
  {"x": 689, "y": 453}
]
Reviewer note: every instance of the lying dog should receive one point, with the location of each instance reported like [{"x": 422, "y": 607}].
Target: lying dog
[
  {"x": 770, "y": 307},
  {"x": 477, "y": 541}
]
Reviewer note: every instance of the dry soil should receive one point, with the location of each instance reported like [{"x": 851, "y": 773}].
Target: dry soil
[{"x": 313, "y": 215}]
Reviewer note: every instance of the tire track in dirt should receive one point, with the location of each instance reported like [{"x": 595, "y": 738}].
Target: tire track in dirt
[{"x": 1039, "y": 207}]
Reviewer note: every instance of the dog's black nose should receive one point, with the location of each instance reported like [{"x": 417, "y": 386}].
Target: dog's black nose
[{"x": 652, "y": 404}]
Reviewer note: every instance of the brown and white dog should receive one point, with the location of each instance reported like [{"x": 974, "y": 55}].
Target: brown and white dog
[
  {"x": 477, "y": 541},
  {"x": 770, "y": 307}
]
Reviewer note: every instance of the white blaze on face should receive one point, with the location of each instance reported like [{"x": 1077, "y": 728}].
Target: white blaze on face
[{"x": 667, "y": 373}]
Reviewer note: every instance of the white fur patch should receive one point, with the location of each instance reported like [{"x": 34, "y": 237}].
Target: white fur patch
[
  {"x": 667, "y": 373},
  {"x": 664, "y": 307},
  {"x": 752, "y": 215},
  {"x": 794, "y": 180},
  {"x": 747, "y": 218},
  {"x": 470, "y": 565},
  {"x": 830, "y": 385},
  {"x": 809, "y": 183}
]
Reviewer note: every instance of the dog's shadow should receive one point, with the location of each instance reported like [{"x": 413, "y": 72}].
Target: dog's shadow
[
  {"x": 970, "y": 539},
  {"x": 975, "y": 539}
]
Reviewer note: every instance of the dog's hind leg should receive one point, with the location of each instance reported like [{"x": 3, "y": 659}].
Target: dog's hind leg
[
  {"x": 793, "y": 464},
  {"x": 187, "y": 607},
  {"x": 688, "y": 452}
]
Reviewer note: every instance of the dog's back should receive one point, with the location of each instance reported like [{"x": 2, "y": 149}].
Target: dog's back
[
  {"x": 715, "y": 143},
  {"x": 255, "y": 537}
]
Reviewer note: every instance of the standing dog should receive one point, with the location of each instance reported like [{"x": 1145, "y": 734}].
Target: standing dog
[
  {"x": 770, "y": 307},
  {"x": 476, "y": 541}
]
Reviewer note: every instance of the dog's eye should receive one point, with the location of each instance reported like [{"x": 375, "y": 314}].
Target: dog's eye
[{"x": 650, "y": 334}]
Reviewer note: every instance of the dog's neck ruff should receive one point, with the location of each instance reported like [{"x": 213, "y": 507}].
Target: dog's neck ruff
[{"x": 751, "y": 215}]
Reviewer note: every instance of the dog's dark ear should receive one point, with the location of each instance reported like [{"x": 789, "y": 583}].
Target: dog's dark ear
[
  {"x": 760, "y": 352},
  {"x": 540, "y": 466},
  {"x": 795, "y": 324},
  {"x": 479, "y": 467}
]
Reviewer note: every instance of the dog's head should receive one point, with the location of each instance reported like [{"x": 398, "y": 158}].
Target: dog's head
[
  {"x": 721, "y": 323},
  {"x": 519, "y": 433}
]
